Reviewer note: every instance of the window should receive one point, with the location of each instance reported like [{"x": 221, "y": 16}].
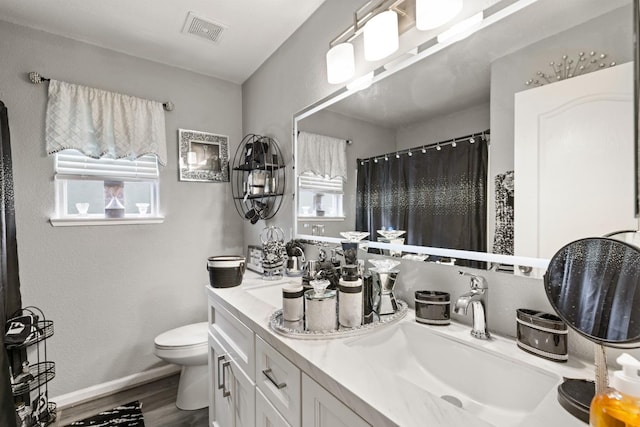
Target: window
[
  {"x": 105, "y": 191},
  {"x": 319, "y": 196}
]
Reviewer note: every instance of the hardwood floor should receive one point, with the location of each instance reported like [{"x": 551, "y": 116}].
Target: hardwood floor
[{"x": 158, "y": 406}]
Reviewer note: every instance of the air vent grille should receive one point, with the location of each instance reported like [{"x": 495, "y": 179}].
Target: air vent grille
[{"x": 204, "y": 28}]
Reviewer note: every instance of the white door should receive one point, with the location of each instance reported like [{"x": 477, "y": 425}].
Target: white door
[{"x": 574, "y": 161}]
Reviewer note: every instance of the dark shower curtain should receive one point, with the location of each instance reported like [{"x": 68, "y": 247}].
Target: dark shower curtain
[
  {"x": 10, "y": 298},
  {"x": 438, "y": 197}
]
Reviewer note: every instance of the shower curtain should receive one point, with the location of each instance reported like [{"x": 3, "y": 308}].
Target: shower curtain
[
  {"x": 438, "y": 197},
  {"x": 10, "y": 298}
]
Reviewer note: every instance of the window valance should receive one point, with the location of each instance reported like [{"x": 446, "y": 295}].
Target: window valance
[
  {"x": 103, "y": 124},
  {"x": 322, "y": 155}
]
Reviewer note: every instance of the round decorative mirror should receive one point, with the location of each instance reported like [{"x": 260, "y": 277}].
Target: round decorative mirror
[{"x": 594, "y": 285}]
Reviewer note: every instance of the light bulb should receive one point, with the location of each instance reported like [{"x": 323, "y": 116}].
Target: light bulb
[
  {"x": 340, "y": 63},
  {"x": 381, "y": 36}
]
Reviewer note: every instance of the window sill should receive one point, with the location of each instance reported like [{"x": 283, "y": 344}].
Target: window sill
[
  {"x": 77, "y": 221},
  {"x": 320, "y": 218}
]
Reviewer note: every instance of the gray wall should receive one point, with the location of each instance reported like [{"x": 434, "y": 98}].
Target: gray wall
[
  {"x": 442, "y": 128},
  {"x": 295, "y": 77},
  {"x": 509, "y": 73},
  {"x": 111, "y": 289}
]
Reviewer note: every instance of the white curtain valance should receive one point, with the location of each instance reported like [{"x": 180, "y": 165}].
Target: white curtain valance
[
  {"x": 322, "y": 155},
  {"x": 103, "y": 124}
]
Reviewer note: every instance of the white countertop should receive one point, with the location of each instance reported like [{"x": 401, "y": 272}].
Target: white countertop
[{"x": 377, "y": 395}]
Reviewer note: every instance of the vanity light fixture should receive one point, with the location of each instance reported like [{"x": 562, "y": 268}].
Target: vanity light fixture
[
  {"x": 341, "y": 64},
  {"x": 431, "y": 14},
  {"x": 381, "y": 36},
  {"x": 378, "y": 21}
]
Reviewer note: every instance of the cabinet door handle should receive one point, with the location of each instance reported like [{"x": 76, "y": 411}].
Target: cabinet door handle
[
  {"x": 220, "y": 385},
  {"x": 225, "y": 392},
  {"x": 269, "y": 374}
]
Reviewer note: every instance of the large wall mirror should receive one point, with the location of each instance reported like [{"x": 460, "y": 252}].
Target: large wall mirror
[{"x": 560, "y": 154}]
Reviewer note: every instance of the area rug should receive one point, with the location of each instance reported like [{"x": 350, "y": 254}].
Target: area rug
[{"x": 128, "y": 415}]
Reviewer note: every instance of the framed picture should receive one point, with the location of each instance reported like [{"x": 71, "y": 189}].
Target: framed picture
[{"x": 204, "y": 157}]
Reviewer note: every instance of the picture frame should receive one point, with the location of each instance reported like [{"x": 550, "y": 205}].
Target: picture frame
[{"x": 203, "y": 156}]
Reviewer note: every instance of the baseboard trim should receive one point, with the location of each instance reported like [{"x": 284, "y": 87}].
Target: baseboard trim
[{"x": 111, "y": 387}]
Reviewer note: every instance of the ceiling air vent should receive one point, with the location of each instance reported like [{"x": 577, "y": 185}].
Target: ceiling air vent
[{"x": 204, "y": 28}]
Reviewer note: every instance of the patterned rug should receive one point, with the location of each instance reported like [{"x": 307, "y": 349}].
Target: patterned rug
[{"x": 128, "y": 415}]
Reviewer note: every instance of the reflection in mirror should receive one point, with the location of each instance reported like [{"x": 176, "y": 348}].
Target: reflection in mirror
[
  {"x": 470, "y": 86},
  {"x": 594, "y": 286}
]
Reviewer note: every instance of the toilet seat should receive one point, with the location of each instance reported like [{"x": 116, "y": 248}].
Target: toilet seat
[{"x": 185, "y": 337}]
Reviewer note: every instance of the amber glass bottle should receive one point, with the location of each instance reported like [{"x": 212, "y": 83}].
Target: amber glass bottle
[{"x": 619, "y": 405}]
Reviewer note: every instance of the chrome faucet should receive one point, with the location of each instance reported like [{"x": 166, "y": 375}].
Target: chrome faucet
[{"x": 476, "y": 298}]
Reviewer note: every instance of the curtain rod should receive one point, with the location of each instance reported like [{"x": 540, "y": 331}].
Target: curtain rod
[
  {"x": 36, "y": 78},
  {"x": 348, "y": 141},
  {"x": 423, "y": 148}
]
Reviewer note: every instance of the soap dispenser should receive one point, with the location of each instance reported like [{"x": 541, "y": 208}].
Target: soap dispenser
[{"x": 619, "y": 404}]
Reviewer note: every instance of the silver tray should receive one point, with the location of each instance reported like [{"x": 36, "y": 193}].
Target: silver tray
[{"x": 296, "y": 329}]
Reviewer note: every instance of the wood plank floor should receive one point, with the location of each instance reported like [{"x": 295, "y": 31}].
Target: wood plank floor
[{"x": 158, "y": 406}]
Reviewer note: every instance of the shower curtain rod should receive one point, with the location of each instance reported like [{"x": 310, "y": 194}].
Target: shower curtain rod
[
  {"x": 36, "y": 78},
  {"x": 424, "y": 148}
]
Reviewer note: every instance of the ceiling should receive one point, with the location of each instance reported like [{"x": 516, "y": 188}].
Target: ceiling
[{"x": 152, "y": 29}]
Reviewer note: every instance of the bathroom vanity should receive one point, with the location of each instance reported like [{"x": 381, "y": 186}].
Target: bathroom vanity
[{"x": 403, "y": 374}]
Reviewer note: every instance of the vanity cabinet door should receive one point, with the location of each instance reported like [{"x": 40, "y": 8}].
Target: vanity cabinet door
[
  {"x": 321, "y": 409},
  {"x": 234, "y": 400},
  {"x": 220, "y": 401},
  {"x": 236, "y": 337},
  {"x": 266, "y": 414}
]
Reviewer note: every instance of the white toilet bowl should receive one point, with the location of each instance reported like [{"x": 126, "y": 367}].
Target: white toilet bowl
[{"x": 187, "y": 346}]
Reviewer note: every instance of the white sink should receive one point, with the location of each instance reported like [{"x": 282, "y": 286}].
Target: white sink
[
  {"x": 493, "y": 386},
  {"x": 271, "y": 293}
]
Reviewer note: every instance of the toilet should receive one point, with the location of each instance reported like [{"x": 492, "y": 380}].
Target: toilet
[{"x": 187, "y": 346}]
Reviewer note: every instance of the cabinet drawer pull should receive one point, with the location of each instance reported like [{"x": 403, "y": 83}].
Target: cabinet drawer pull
[
  {"x": 268, "y": 373},
  {"x": 225, "y": 392},
  {"x": 220, "y": 385}
]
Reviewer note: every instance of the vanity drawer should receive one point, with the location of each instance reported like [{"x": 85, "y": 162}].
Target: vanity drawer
[
  {"x": 279, "y": 380},
  {"x": 235, "y": 336},
  {"x": 266, "y": 414}
]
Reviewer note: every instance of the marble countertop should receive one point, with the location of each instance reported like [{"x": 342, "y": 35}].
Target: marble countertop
[{"x": 377, "y": 395}]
